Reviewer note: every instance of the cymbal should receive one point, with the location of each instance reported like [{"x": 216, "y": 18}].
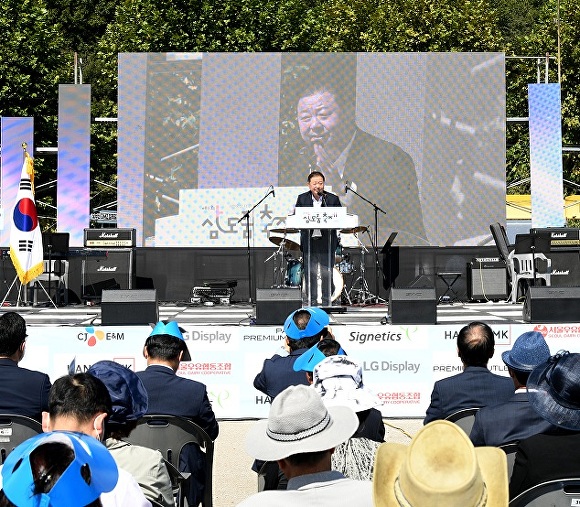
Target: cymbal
[
  {"x": 288, "y": 245},
  {"x": 354, "y": 230},
  {"x": 285, "y": 230}
]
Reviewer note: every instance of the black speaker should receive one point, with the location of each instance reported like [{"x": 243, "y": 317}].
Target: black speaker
[
  {"x": 129, "y": 307},
  {"x": 486, "y": 279},
  {"x": 413, "y": 306},
  {"x": 274, "y": 305},
  {"x": 107, "y": 269},
  {"x": 552, "y": 304}
]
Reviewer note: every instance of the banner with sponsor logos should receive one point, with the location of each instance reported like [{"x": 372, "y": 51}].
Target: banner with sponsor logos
[{"x": 400, "y": 363}]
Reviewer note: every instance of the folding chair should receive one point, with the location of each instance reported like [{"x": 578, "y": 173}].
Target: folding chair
[
  {"x": 556, "y": 493},
  {"x": 464, "y": 418},
  {"x": 510, "y": 451},
  {"x": 15, "y": 429},
  {"x": 169, "y": 434}
]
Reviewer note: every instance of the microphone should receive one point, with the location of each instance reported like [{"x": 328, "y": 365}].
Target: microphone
[
  {"x": 272, "y": 191},
  {"x": 346, "y": 186}
]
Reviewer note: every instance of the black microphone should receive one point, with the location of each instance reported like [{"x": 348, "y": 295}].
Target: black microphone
[
  {"x": 346, "y": 187},
  {"x": 272, "y": 191}
]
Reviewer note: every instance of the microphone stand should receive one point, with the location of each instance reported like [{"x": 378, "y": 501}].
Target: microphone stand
[
  {"x": 246, "y": 217},
  {"x": 376, "y": 237}
]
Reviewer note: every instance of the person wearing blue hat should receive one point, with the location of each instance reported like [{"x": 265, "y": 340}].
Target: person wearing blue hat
[
  {"x": 554, "y": 392},
  {"x": 81, "y": 403},
  {"x": 58, "y": 469},
  {"x": 303, "y": 328},
  {"x": 170, "y": 394},
  {"x": 130, "y": 403},
  {"x": 514, "y": 419}
]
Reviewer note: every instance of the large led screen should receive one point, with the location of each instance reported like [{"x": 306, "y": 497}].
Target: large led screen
[{"x": 412, "y": 143}]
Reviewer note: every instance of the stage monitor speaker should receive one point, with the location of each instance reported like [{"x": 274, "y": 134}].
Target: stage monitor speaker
[
  {"x": 274, "y": 305},
  {"x": 552, "y": 305},
  {"x": 413, "y": 306},
  {"x": 129, "y": 307},
  {"x": 486, "y": 279},
  {"x": 107, "y": 269}
]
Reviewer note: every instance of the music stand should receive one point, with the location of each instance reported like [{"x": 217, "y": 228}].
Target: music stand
[{"x": 387, "y": 251}]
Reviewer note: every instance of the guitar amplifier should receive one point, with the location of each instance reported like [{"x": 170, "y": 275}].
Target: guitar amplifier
[
  {"x": 114, "y": 269},
  {"x": 110, "y": 238},
  {"x": 486, "y": 279}
]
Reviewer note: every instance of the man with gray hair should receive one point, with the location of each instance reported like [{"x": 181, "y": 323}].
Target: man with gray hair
[{"x": 301, "y": 434}]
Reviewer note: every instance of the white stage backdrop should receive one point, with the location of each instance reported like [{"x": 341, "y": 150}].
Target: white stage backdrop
[{"x": 400, "y": 362}]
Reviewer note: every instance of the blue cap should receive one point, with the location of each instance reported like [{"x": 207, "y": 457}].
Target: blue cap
[
  {"x": 528, "y": 351},
  {"x": 128, "y": 394},
  {"x": 309, "y": 359},
  {"x": 91, "y": 460},
  {"x": 171, "y": 328},
  {"x": 318, "y": 321}
]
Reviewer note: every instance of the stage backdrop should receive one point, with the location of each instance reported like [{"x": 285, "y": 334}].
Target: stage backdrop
[
  {"x": 204, "y": 137},
  {"x": 400, "y": 363}
]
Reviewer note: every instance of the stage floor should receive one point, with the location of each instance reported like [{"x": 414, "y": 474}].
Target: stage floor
[{"x": 243, "y": 314}]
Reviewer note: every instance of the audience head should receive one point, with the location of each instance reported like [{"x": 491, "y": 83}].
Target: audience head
[
  {"x": 59, "y": 468},
  {"x": 319, "y": 351},
  {"x": 339, "y": 381},
  {"x": 306, "y": 326},
  {"x": 128, "y": 396},
  {"x": 12, "y": 334},
  {"x": 554, "y": 390},
  {"x": 475, "y": 344},
  {"x": 78, "y": 402},
  {"x": 440, "y": 467},
  {"x": 166, "y": 343},
  {"x": 529, "y": 350},
  {"x": 300, "y": 427}
]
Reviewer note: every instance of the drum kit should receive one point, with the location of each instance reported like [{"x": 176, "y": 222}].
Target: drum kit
[{"x": 289, "y": 270}]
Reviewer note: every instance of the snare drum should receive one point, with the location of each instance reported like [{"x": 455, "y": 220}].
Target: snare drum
[{"x": 293, "y": 276}]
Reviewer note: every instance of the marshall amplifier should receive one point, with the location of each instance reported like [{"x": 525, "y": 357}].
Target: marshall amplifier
[
  {"x": 486, "y": 279},
  {"x": 110, "y": 238},
  {"x": 114, "y": 269},
  {"x": 560, "y": 237}
]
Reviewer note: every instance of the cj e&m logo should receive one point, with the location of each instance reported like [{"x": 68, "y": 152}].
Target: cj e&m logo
[{"x": 91, "y": 336}]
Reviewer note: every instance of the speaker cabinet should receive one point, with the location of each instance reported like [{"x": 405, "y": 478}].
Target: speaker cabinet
[
  {"x": 129, "y": 307},
  {"x": 413, "y": 306},
  {"x": 274, "y": 305},
  {"x": 552, "y": 304},
  {"x": 486, "y": 280},
  {"x": 107, "y": 269}
]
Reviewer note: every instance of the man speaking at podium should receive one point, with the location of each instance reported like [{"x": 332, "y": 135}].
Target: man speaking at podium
[{"x": 318, "y": 245}]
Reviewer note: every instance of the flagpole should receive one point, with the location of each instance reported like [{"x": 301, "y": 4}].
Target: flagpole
[{"x": 24, "y": 288}]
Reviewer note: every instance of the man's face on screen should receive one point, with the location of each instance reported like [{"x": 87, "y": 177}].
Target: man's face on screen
[{"x": 320, "y": 119}]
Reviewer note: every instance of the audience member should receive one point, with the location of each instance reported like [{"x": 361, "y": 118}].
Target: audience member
[
  {"x": 129, "y": 399},
  {"x": 58, "y": 469},
  {"x": 514, "y": 419},
  {"x": 301, "y": 434},
  {"x": 171, "y": 394},
  {"x": 554, "y": 392},
  {"x": 22, "y": 391},
  {"x": 339, "y": 382},
  {"x": 319, "y": 351},
  {"x": 303, "y": 327},
  {"x": 81, "y": 403},
  {"x": 476, "y": 386},
  {"x": 441, "y": 468}
]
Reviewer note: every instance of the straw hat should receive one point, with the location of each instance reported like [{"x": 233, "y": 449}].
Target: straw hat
[{"x": 440, "y": 468}]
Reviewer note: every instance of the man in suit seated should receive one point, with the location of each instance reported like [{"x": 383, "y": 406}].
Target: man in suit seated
[
  {"x": 22, "y": 391},
  {"x": 301, "y": 434},
  {"x": 554, "y": 392},
  {"x": 476, "y": 386},
  {"x": 514, "y": 419},
  {"x": 170, "y": 394}
]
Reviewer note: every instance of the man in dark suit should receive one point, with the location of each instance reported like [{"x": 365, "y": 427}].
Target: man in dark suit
[
  {"x": 318, "y": 245},
  {"x": 170, "y": 394},
  {"x": 22, "y": 391},
  {"x": 476, "y": 386},
  {"x": 514, "y": 419},
  {"x": 350, "y": 157},
  {"x": 554, "y": 392}
]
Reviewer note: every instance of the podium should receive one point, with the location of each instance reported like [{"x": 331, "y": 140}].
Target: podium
[{"x": 319, "y": 242}]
